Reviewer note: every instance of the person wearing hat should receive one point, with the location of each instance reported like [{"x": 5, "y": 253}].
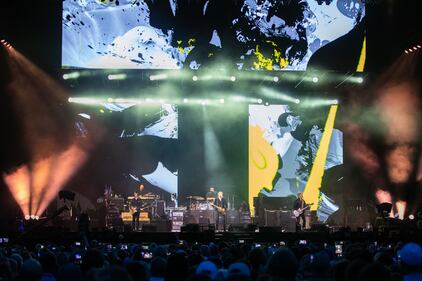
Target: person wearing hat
[{"x": 411, "y": 261}]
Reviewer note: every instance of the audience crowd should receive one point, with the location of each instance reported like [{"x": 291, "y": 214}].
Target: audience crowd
[{"x": 301, "y": 261}]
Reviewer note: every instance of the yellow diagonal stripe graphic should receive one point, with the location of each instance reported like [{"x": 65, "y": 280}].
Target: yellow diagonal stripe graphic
[
  {"x": 362, "y": 58},
  {"x": 312, "y": 189}
]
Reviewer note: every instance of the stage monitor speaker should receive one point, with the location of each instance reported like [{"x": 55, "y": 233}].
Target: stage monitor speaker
[
  {"x": 232, "y": 217},
  {"x": 272, "y": 218},
  {"x": 163, "y": 225}
]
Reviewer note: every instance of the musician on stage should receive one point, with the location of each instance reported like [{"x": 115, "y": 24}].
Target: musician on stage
[
  {"x": 299, "y": 205},
  {"x": 210, "y": 196},
  {"x": 135, "y": 205},
  {"x": 221, "y": 206}
]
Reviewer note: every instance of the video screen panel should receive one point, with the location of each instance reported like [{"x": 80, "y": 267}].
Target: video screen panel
[
  {"x": 135, "y": 145},
  {"x": 176, "y": 34},
  {"x": 289, "y": 152}
]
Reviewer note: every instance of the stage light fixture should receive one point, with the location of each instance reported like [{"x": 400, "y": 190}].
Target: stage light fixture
[
  {"x": 267, "y": 104},
  {"x": 276, "y": 79},
  {"x": 158, "y": 77},
  {"x": 221, "y": 100},
  {"x": 335, "y": 101},
  {"x": 148, "y": 100},
  {"x": 203, "y": 102},
  {"x": 233, "y": 78},
  {"x": 71, "y": 75},
  {"x": 414, "y": 48},
  {"x": 120, "y": 76},
  {"x": 27, "y": 217},
  {"x": 109, "y": 100},
  {"x": 411, "y": 217},
  {"x": 359, "y": 80},
  {"x": 406, "y": 52},
  {"x": 185, "y": 100},
  {"x": 315, "y": 79},
  {"x": 195, "y": 78},
  {"x": 70, "y": 99},
  {"x": 259, "y": 101},
  {"x": 297, "y": 101}
]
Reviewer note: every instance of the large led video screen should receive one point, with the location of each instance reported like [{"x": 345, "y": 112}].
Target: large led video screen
[
  {"x": 134, "y": 145},
  {"x": 190, "y": 34},
  {"x": 289, "y": 152}
]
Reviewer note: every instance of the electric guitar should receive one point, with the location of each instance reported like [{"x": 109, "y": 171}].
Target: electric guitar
[
  {"x": 299, "y": 211},
  {"x": 134, "y": 209},
  {"x": 221, "y": 210}
]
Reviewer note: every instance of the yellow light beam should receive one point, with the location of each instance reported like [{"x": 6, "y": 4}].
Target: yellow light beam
[
  {"x": 362, "y": 58},
  {"x": 312, "y": 189}
]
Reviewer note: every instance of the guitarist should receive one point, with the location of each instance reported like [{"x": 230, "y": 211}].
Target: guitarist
[
  {"x": 300, "y": 205},
  {"x": 135, "y": 206},
  {"x": 221, "y": 206}
]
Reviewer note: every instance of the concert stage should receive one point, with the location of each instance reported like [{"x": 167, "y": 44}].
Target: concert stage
[{"x": 264, "y": 235}]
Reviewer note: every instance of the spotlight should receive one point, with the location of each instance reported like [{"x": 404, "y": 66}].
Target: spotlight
[
  {"x": 203, "y": 102},
  {"x": 102, "y": 110},
  {"x": 419, "y": 46},
  {"x": 232, "y": 78},
  {"x": 195, "y": 78},
  {"x": 158, "y": 77},
  {"x": 297, "y": 101},
  {"x": 406, "y": 51},
  {"x": 185, "y": 100},
  {"x": 2, "y": 41},
  {"x": 36, "y": 217},
  {"x": 33, "y": 217},
  {"x": 315, "y": 79},
  {"x": 414, "y": 48},
  {"x": 359, "y": 80},
  {"x": 117, "y": 76},
  {"x": 70, "y": 99},
  {"x": 109, "y": 100},
  {"x": 275, "y": 79},
  {"x": 71, "y": 75},
  {"x": 221, "y": 100},
  {"x": 148, "y": 100},
  {"x": 411, "y": 217},
  {"x": 259, "y": 101},
  {"x": 267, "y": 104},
  {"x": 27, "y": 217},
  {"x": 334, "y": 101}
]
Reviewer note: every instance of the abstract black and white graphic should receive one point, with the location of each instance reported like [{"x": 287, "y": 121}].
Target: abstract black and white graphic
[
  {"x": 138, "y": 146},
  {"x": 176, "y": 34},
  {"x": 283, "y": 145}
]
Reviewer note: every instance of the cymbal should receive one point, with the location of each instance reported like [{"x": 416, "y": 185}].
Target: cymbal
[{"x": 198, "y": 198}]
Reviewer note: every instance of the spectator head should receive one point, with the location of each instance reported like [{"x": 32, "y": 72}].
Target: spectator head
[
  {"x": 92, "y": 259},
  {"x": 158, "y": 267},
  {"x": 411, "y": 254},
  {"x": 31, "y": 270},
  {"x": 48, "y": 262},
  {"x": 138, "y": 270},
  {"x": 178, "y": 266},
  {"x": 316, "y": 265},
  {"x": 207, "y": 268},
  {"x": 283, "y": 265},
  {"x": 69, "y": 272},
  {"x": 18, "y": 259},
  {"x": 238, "y": 269},
  {"x": 375, "y": 272},
  {"x": 112, "y": 273}
]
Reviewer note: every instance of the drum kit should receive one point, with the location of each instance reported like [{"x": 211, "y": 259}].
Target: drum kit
[{"x": 199, "y": 203}]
